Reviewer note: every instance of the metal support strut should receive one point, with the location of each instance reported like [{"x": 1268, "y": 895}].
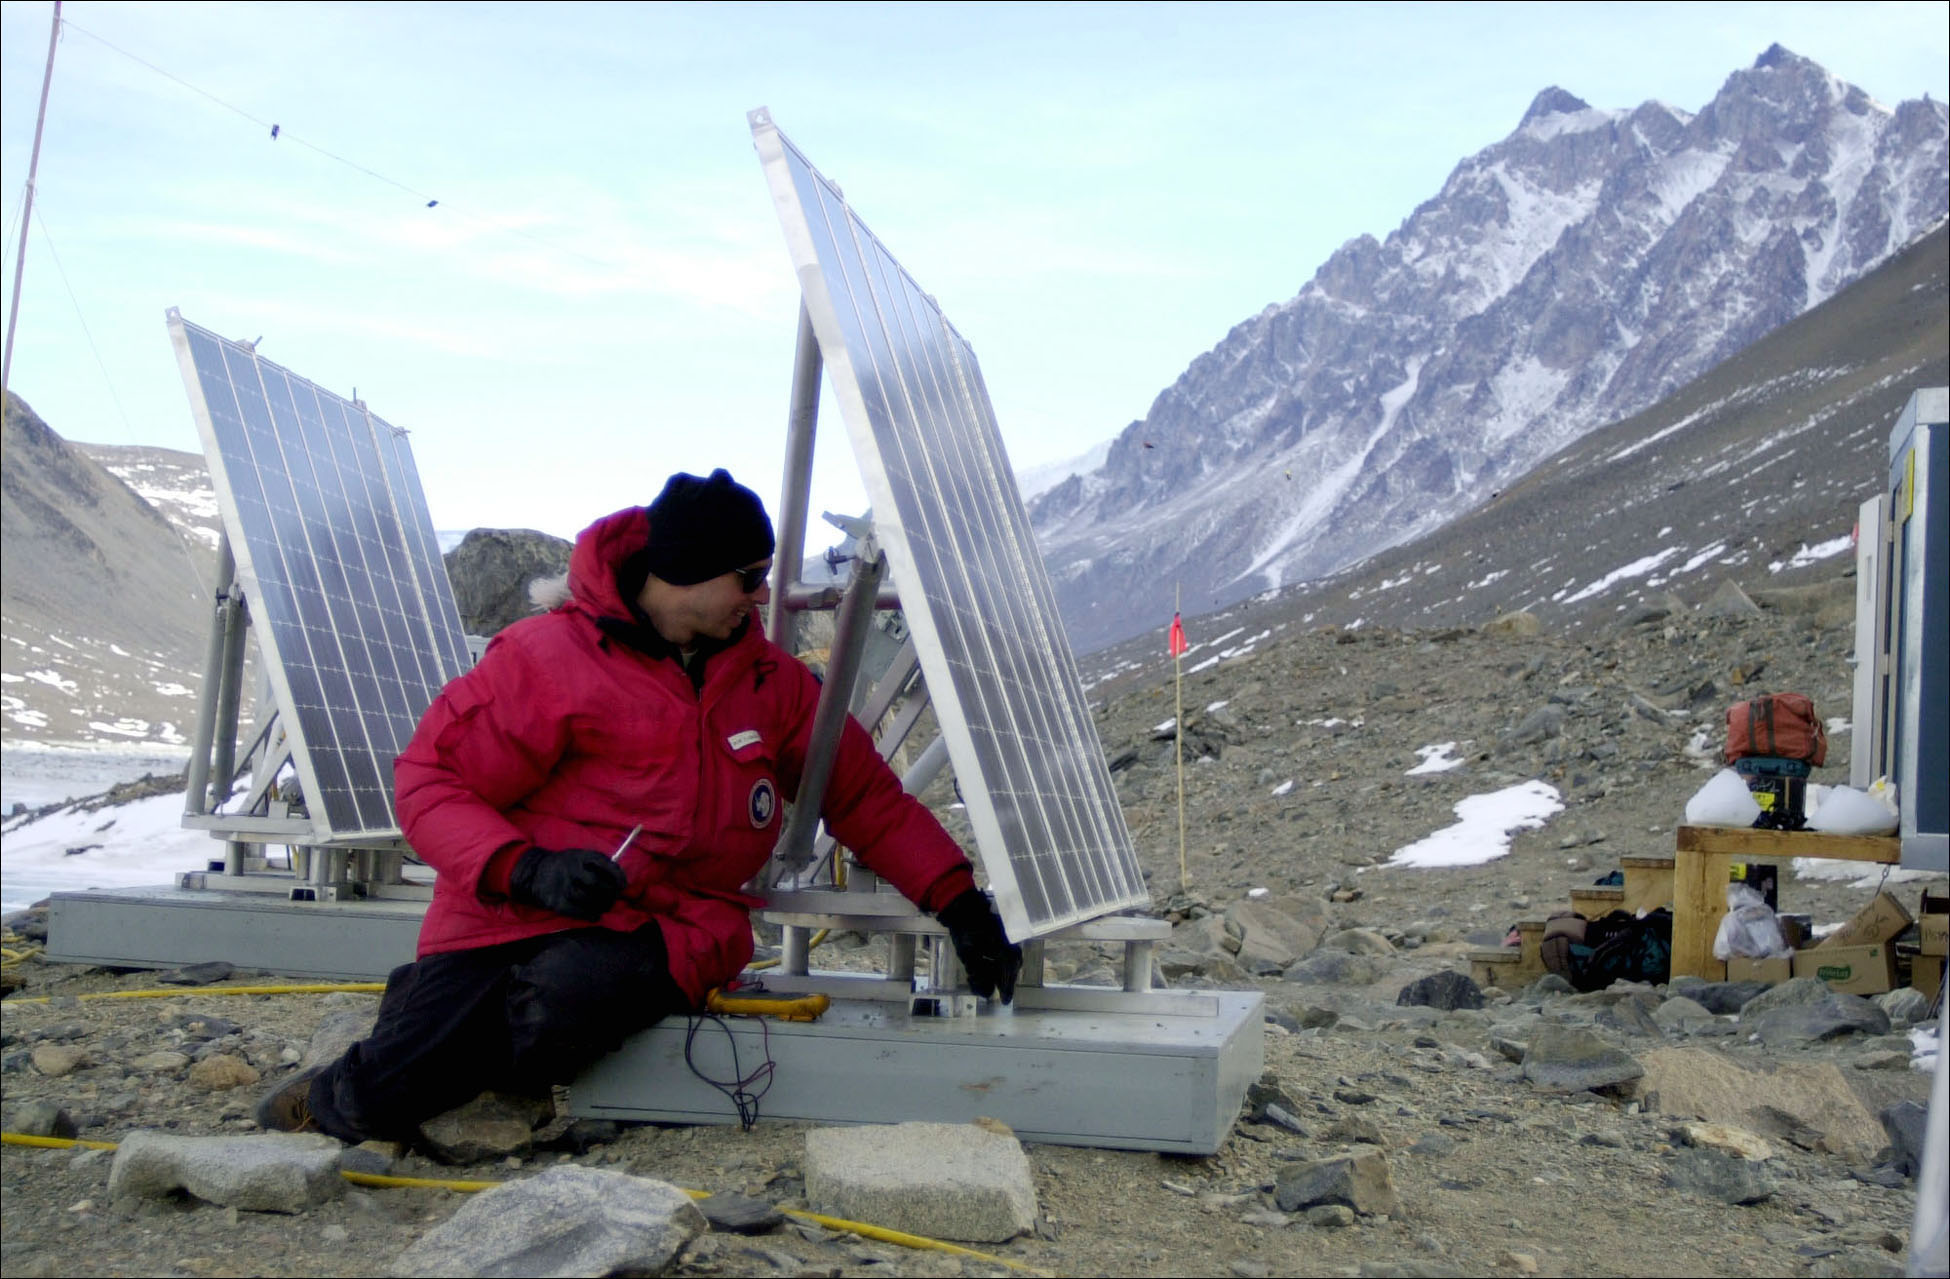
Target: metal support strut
[{"x": 843, "y": 668}]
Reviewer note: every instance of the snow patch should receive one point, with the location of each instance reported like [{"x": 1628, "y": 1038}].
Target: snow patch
[
  {"x": 1435, "y": 759},
  {"x": 1637, "y": 568},
  {"x": 1486, "y": 825},
  {"x": 1811, "y": 554}
]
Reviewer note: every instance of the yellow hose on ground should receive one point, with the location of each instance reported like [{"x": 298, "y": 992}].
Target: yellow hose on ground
[
  {"x": 864, "y": 1229},
  {"x": 386, "y": 1182},
  {"x": 53, "y": 1143},
  {"x": 192, "y": 992},
  {"x": 15, "y": 949}
]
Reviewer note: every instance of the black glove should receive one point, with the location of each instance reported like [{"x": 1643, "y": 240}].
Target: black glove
[
  {"x": 579, "y": 883},
  {"x": 991, "y": 959}
]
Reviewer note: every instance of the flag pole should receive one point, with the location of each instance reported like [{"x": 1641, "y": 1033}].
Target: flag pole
[
  {"x": 27, "y": 204},
  {"x": 1178, "y": 735}
]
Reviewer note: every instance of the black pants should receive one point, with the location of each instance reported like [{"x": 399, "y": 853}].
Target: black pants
[{"x": 516, "y": 1017}]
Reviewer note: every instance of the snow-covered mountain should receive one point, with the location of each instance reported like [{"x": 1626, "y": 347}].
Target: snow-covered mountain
[
  {"x": 177, "y": 484},
  {"x": 1569, "y": 276},
  {"x": 106, "y": 596}
]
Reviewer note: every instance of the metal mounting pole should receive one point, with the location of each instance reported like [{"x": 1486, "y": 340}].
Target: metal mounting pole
[
  {"x": 196, "y": 789},
  {"x": 802, "y": 421},
  {"x": 230, "y": 691}
]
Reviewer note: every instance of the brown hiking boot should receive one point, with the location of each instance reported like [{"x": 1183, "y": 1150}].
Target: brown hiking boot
[{"x": 287, "y": 1107}]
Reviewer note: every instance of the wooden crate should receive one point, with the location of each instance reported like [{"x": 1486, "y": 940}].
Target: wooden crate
[
  {"x": 1596, "y": 902},
  {"x": 1501, "y": 967},
  {"x": 1648, "y": 882},
  {"x": 1511, "y": 968}
]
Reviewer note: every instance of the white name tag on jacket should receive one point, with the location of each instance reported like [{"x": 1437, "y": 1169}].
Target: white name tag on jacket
[{"x": 739, "y": 741}]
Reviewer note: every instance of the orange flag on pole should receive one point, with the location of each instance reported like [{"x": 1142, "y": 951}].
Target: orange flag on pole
[{"x": 1176, "y": 645}]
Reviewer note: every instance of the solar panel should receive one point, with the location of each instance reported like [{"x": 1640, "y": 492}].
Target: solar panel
[
  {"x": 959, "y": 545},
  {"x": 340, "y": 568}
]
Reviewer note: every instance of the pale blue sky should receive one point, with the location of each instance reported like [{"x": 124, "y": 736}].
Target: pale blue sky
[{"x": 1094, "y": 193}]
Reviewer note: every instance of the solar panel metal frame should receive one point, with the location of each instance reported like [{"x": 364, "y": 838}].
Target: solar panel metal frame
[
  {"x": 340, "y": 565},
  {"x": 1046, "y": 819}
]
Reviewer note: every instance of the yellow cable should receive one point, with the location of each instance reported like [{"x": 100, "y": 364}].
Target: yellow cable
[
  {"x": 52, "y": 1143},
  {"x": 906, "y": 1240},
  {"x": 764, "y": 964},
  {"x": 433, "y": 1183},
  {"x": 194, "y": 992},
  {"x": 861, "y": 1228}
]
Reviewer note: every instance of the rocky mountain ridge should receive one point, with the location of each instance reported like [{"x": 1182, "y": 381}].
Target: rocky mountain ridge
[
  {"x": 1567, "y": 277},
  {"x": 1749, "y": 477}
]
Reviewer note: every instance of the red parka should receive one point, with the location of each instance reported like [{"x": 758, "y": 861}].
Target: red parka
[{"x": 565, "y": 736}]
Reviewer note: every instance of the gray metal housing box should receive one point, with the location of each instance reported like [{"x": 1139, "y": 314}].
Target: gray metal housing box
[
  {"x": 1147, "y": 1080},
  {"x": 169, "y": 927}
]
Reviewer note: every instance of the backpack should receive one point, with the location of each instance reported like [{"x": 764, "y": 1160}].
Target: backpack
[
  {"x": 1562, "y": 932},
  {"x": 1623, "y": 947},
  {"x": 1779, "y": 726}
]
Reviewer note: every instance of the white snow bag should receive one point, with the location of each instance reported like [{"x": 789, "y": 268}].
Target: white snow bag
[
  {"x": 1847, "y": 811},
  {"x": 1724, "y": 801}
]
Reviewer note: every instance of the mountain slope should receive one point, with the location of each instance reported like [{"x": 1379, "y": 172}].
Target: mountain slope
[
  {"x": 1751, "y": 474},
  {"x": 1569, "y": 276},
  {"x": 106, "y": 612}
]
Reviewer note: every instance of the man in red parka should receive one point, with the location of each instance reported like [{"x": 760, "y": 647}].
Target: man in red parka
[{"x": 645, "y": 712}]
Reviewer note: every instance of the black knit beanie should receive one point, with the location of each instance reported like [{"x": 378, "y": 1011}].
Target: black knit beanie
[{"x": 701, "y": 528}]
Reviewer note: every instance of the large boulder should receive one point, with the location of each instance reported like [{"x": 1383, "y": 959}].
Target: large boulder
[
  {"x": 1278, "y": 930},
  {"x": 1571, "y": 1059},
  {"x": 970, "y": 1182},
  {"x": 1809, "y": 1102},
  {"x": 1361, "y": 1182},
  {"x": 566, "y": 1221},
  {"x": 491, "y": 570},
  {"x": 1445, "y": 990},
  {"x": 492, "y": 1126},
  {"x": 275, "y": 1172}
]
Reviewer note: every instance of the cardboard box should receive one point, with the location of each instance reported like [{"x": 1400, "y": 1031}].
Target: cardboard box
[
  {"x": 1933, "y": 935},
  {"x": 1874, "y": 924},
  {"x": 1740, "y": 968},
  {"x": 1852, "y": 970},
  {"x": 1926, "y": 976}
]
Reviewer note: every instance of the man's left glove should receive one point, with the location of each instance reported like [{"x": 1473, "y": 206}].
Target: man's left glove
[
  {"x": 985, "y": 950},
  {"x": 579, "y": 883}
]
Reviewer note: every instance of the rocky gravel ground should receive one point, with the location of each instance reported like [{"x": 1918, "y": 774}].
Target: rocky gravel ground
[{"x": 1545, "y": 1132}]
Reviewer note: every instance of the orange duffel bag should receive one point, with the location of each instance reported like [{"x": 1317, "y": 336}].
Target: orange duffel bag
[{"x": 1780, "y": 725}]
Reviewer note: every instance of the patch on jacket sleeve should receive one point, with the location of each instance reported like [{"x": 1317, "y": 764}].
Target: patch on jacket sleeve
[
  {"x": 739, "y": 741},
  {"x": 764, "y": 803}
]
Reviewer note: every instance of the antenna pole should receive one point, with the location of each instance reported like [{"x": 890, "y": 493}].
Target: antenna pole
[
  {"x": 1178, "y": 741},
  {"x": 27, "y": 207}
]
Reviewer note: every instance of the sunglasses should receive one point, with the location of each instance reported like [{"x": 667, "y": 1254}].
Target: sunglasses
[{"x": 750, "y": 579}]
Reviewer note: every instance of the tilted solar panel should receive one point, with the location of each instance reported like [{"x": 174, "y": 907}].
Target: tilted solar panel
[
  {"x": 340, "y": 568},
  {"x": 972, "y": 583}
]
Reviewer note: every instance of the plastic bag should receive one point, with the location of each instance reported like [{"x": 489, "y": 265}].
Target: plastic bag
[
  {"x": 1847, "y": 811},
  {"x": 1750, "y": 930},
  {"x": 1724, "y": 801}
]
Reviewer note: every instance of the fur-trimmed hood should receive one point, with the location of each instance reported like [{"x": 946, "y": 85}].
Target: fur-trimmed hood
[{"x": 600, "y": 551}]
